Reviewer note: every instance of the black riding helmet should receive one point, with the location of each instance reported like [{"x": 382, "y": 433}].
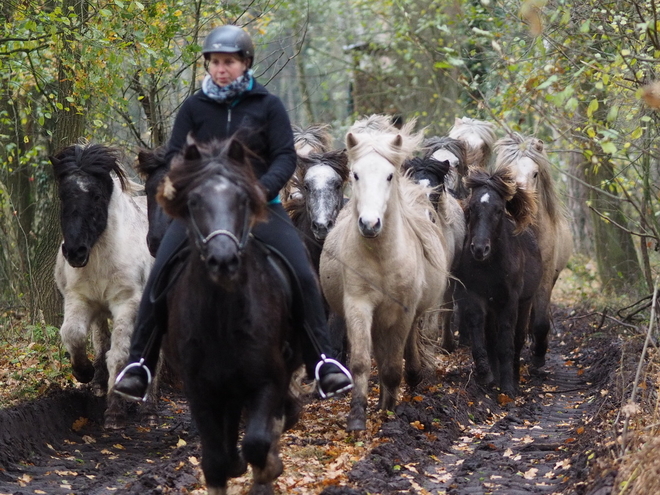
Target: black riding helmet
[{"x": 229, "y": 39}]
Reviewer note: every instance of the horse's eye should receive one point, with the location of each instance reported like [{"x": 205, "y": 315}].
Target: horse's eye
[
  {"x": 355, "y": 176},
  {"x": 389, "y": 177}
]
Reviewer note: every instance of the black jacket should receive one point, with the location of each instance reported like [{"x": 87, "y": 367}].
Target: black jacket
[{"x": 264, "y": 128}]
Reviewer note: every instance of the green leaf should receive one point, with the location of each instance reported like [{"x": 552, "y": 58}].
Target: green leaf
[
  {"x": 637, "y": 133},
  {"x": 547, "y": 82},
  {"x": 593, "y": 106},
  {"x": 608, "y": 147},
  {"x": 584, "y": 28}
]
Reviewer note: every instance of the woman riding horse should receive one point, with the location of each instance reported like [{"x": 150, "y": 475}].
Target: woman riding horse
[{"x": 233, "y": 103}]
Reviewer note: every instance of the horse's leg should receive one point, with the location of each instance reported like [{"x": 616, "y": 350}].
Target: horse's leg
[
  {"x": 524, "y": 310},
  {"x": 263, "y": 478},
  {"x": 77, "y": 319},
  {"x": 412, "y": 349},
  {"x": 218, "y": 425},
  {"x": 448, "y": 343},
  {"x": 359, "y": 319},
  {"x": 505, "y": 345},
  {"x": 541, "y": 324},
  {"x": 473, "y": 316},
  {"x": 388, "y": 347},
  {"x": 101, "y": 342},
  {"x": 120, "y": 339},
  {"x": 264, "y": 426}
]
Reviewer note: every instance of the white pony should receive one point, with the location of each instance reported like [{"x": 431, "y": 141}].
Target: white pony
[
  {"x": 526, "y": 158},
  {"x": 384, "y": 264},
  {"x": 478, "y": 136},
  {"x": 102, "y": 265}
]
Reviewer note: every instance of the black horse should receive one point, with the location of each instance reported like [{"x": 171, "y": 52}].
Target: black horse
[
  {"x": 500, "y": 271},
  {"x": 152, "y": 168},
  {"x": 230, "y": 315}
]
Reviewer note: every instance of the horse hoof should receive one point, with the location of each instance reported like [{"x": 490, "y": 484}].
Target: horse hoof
[
  {"x": 84, "y": 373},
  {"x": 356, "y": 424},
  {"x": 114, "y": 422},
  {"x": 538, "y": 361},
  {"x": 238, "y": 467},
  {"x": 485, "y": 379},
  {"x": 261, "y": 489}
]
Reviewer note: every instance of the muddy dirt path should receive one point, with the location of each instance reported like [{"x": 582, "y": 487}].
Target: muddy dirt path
[{"x": 449, "y": 437}]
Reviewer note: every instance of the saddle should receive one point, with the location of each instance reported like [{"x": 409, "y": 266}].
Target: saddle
[{"x": 276, "y": 260}]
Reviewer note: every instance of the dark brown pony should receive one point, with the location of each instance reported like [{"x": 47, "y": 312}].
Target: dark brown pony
[
  {"x": 500, "y": 271},
  {"x": 229, "y": 315},
  {"x": 152, "y": 169}
]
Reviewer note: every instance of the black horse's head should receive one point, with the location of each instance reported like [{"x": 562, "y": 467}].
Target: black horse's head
[
  {"x": 85, "y": 187},
  {"x": 152, "y": 167},
  {"x": 213, "y": 189},
  {"x": 429, "y": 172},
  {"x": 495, "y": 199}
]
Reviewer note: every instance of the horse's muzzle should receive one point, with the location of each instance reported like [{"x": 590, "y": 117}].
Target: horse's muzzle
[
  {"x": 222, "y": 267},
  {"x": 77, "y": 257},
  {"x": 481, "y": 251},
  {"x": 370, "y": 231}
]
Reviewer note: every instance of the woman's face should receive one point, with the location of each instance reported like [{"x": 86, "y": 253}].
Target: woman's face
[{"x": 224, "y": 68}]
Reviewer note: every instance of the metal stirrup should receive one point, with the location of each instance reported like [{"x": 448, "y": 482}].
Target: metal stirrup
[
  {"x": 342, "y": 368},
  {"x": 139, "y": 364}
]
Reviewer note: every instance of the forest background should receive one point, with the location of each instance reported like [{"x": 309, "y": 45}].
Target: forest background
[{"x": 581, "y": 75}]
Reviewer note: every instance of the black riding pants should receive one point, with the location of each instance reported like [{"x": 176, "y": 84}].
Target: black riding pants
[{"x": 279, "y": 232}]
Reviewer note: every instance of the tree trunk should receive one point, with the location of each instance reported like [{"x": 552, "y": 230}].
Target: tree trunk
[
  {"x": 69, "y": 125},
  {"x": 618, "y": 265}
]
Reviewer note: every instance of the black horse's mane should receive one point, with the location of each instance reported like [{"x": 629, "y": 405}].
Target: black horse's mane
[
  {"x": 199, "y": 161},
  {"x": 96, "y": 160},
  {"x": 150, "y": 160},
  {"x": 431, "y": 166},
  {"x": 520, "y": 203}
]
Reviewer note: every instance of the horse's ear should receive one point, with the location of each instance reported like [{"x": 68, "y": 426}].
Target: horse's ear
[
  {"x": 538, "y": 145},
  {"x": 397, "y": 142},
  {"x": 351, "y": 142},
  {"x": 236, "y": 150}
]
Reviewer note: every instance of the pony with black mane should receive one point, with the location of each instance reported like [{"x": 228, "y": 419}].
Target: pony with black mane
[
  {"x": 102, "y": 266},
  {"x": 500, "y": 271},
  {"x": 527, "y": 160},
  {"x": 230, "y": 315},
  {"x": 450, "y": 150},
  {"x": 433, "y": 173},
  {"x": 151, "y": 167}
]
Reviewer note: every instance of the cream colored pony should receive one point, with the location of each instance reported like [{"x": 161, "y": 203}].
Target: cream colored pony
[
  {"x": 478, "y": 136},
  {"x": 384, "y": 265},
  {"x": 527, "y": 159}
]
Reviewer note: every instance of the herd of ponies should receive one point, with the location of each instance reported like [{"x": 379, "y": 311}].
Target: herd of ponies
[{"x": 414, "y": 239}]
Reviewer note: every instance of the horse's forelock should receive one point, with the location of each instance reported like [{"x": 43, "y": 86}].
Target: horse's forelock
[
  {"x": 337, "y": 160},
  {"x": 385, "y": 144},
  {"x": 185, "y": 175},
  {"x": 95, "y": 160}
]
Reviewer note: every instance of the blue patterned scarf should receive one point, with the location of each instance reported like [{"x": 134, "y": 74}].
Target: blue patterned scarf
[{"x": 223, "y": 94}]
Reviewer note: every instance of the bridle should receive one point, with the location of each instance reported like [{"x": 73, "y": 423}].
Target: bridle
[{"x": 202, "y": 241}]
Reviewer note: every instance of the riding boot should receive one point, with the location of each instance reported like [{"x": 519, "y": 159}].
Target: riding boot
[{"x": 134, "y": 380}]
